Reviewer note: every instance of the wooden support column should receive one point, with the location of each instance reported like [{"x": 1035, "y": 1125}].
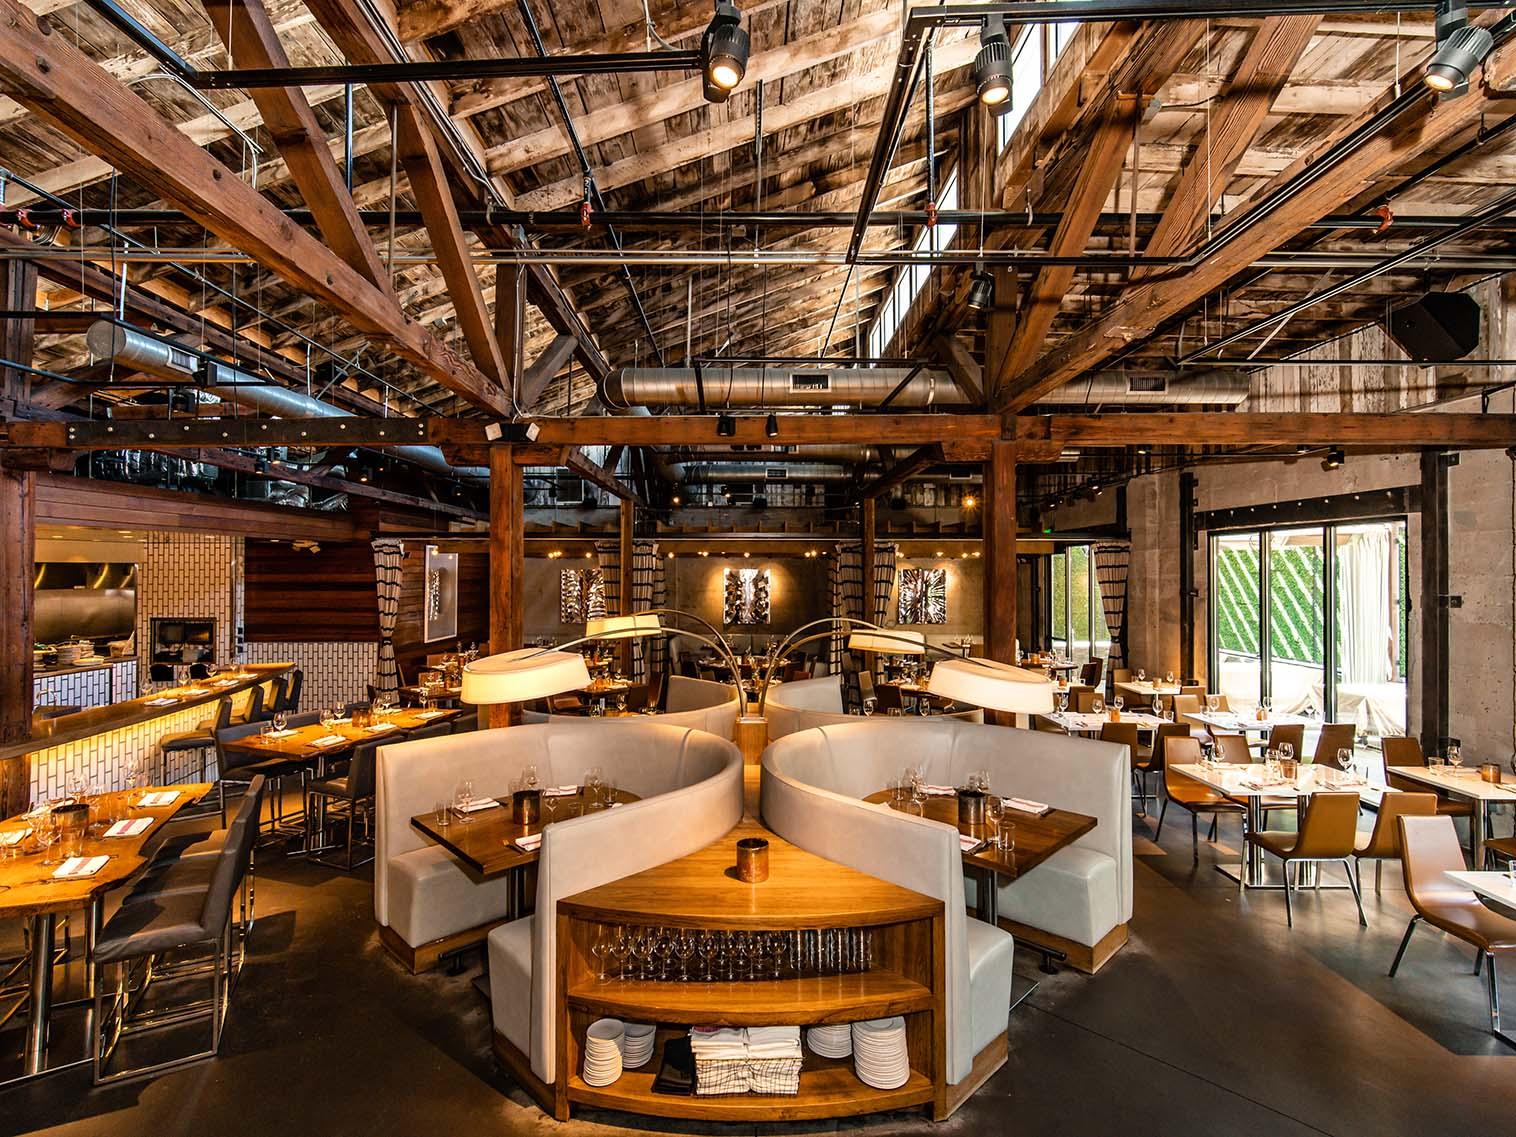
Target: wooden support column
[
  {"x": 1000, "y": 556},
  {"x": 18, "y": 293},
  {"x": 999, "y": 329},
  {"x": 17, "y": 551},
  {"x": 628, "y": 527},
  {"x": 867, "y": 529},
  {"x": 1188, "y": 594},
  {"x": 1435, "y": 598},
  {"x": 507, "y": 564}
]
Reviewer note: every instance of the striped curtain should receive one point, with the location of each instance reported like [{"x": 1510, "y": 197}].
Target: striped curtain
[
  {"x": 884, "y": 583},
  {"x": 608, "y": 556},
  {"x": 389, "y": 552},
  {"x": 847, "y": 595},
  {"x": 1111, "y": 563},
  {"x": 645, "y": 574},
  {"x": 660, "y": 600}
]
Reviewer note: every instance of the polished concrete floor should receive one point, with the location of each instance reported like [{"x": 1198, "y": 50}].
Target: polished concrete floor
[{"x": 1216, "y": 1019}]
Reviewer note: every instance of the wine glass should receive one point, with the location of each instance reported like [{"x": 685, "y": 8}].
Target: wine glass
[
  {"x": 1142, "y": 675},
  {"x": 1213, "y": 703},
  {"x": 463, "y": 799},
  {"x": 1118, "y": 702},
  {"x": 281, "y": 720},
  {"x": 1455, "y": 756},
  {"x": 602, "y": 950},
  {"x": 869, "y": 705},
  {"x": 1268, "y": 704},
  {"x": 45, "y": 833},
  {"x": 328, "y": 717},
  {"x": 1061, "y": 699},
  {"x": 1097, "y": 705},
  {"x": 994, "y": 813},
  {"x": 1345, "y": 758},
  {"x": 684, "y": 948},
  {"x": 529, "y": 780},
  {"x": 1286, "y": 751},
  {"x": 1157, "y": 706},
  {"x": 1168, "y": 679}
]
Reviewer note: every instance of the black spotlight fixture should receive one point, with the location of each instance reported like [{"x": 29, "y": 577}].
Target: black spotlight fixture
[
  {"x": 1334, "y": 458},
  {"x": 771, "y": 425},
  {"x": 992, "y": 66},
  {"x": 723, "y": 53},
  {"x": 1460, "y": 49},
  {"x": 981, "y": 289},
  {"x": 260, "y": 464},
  {"x": 726, "y": 426}
]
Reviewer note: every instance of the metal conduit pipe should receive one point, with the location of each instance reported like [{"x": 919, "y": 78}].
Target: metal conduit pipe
[
  {"x": 744, "y": 473},
  {"x": 168, "y": 360},
  {"x": 1212, "y": 388},
  {"x": 783, "y": 387},
  {"x": 852, "y": 455}
]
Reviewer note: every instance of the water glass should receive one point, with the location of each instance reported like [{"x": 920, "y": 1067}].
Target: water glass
[
  {"x": 1168, "y": 679},
  {"x": 1157, "y": 707},
  {"x": 328, "y": 717},
  {"x": 1097, "y": 705},
  {"x": 442, "y": 816},
  {"x": 529, "y": 780},
  {"x": 994, "y": 813}
]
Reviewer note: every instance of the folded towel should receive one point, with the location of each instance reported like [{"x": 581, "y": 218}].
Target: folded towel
[
  {"x": 939, "y": 791},
  {"x": 560, "y": 791},
  {"x": 528, "y": 844},
  {"x": 476, "y": 806},
  {"x": 429, "y": 714},
  {"x": 158, "y": 799},
  {"x": 279, "y": 734},
  {"x": 166, "y": 701},
  {"x": 328, "y": 740},
  {"x": 78, "y": 867},
  {"x": 11, "y": 837},
  {"x": 1026, "y": 805},
  {"x": 379, "y": 727},
  {"x": 131, "y": 828},
  {"x": 970, "y": 844}
]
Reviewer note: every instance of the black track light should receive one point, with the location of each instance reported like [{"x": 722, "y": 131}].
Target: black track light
[
  {"x": 771, "y": 426},
  {"x": 1456, "y": 60},
  {"x": 981, "y": 289},
  {"x": 1334, "y": 458},
  {"x": 260, "y": 465},
  {"x": 723, "y": 53},
  {"x": 992, "y": 66},
  {"x": 726, "y": 426}
]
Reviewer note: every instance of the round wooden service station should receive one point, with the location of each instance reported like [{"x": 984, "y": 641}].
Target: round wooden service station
[{"x": 703, "y": 892}]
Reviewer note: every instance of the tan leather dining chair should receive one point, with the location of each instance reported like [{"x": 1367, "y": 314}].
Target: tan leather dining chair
[
  {"x": 1328, "y": 832},
  {"x": 1292, "y": 733},
  {"x": 1189, "y": 794},
  {"x": 1334, "y": 736},
  {"x": 1082, "y": 700},
  {"x": 1150, "y": 759},
  {"x": 1125, "y": 734},
  {"x": 1407, "y": 752},
  {"x": 1121, "y": 675},
  {"x": 1233, "y": 748},
  {"x": 1197, "y": 690},
  {"x": 1383, "y": 844},
  {"x": 1429, "y": 850}
]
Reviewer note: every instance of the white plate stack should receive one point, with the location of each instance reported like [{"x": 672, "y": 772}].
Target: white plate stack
[
  {"x": 834, "y": 1040},
  {"x": 637, "y": 1044},
  {"x": 602, "y": 1051},
  {"x": 880, "y": 1056}
]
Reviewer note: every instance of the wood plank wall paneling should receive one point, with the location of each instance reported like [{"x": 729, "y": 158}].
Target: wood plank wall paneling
[
  {"x": 473, "y": 605},
  {"x": 295, "y": 595}
]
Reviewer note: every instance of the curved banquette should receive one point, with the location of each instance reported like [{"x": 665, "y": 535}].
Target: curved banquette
[
  {"x": 696, "y": 703},
  {"x": 1080, "y": 899},
  {"x": 805, "y": 703}
]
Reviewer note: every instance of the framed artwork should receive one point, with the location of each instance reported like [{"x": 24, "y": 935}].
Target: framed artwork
[
  {"x": 581, "y": 595},
  {"x": 439, "y": 614},
  {"x": 745, "y": 596},
  {"x": 923, "y": 596}
]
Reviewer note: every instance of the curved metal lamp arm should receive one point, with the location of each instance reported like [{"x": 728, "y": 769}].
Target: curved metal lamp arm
[
  {"x": 790, "y": 644},
  {"x": 716, "y": 639}
]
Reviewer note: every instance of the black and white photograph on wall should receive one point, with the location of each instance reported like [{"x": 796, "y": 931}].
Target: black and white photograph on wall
[
  {"x": 746, "y": 596},
  {"x": 581, "y": 595},
  {"x": 923, "y": 596},
  {"x": 439, "y": 617}
]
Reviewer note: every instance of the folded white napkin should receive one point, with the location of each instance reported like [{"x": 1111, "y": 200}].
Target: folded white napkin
[
  {"x": 196, "y": 691},
  {"x": 224, "y": 683},
  {"x": 1261, "y": 784},
  {"x": 1026, "y": 805},
  {"x": 429, "y": 714},
  {"x": 476, "y": 806},
  {"x": 379, "y": 727},
  {"x": 167, "y": 700},
  {"x": 939, "y": 791},
  {"x": 129, "y": 828},
  {"x": 969, "y": 844},
  {"x": 159, "y": 798},
  {"x": 77, "y": 867},
  {"x": 279, "y": 734},
  {"x": 529, "y": 843},
  {"x": 328, "y": 740},
  {"x": 560, "y": 791},
  {"x": 11, "y": 837}
]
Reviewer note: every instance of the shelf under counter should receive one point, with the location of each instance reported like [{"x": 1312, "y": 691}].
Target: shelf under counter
[
  {"x": 802, "y": 1001},
  {"x": 100, "y": 664}
]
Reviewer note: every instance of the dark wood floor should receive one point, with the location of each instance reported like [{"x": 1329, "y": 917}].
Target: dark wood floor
[{"x": 1216, "y": 1019}]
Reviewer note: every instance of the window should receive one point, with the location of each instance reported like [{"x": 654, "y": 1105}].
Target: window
[
  {"x": 1313, "y": 620},
  {"x": 1027, "y": 72},
  {"x": 1077, "y": 616},
  {"x": 912, "y": 280}
]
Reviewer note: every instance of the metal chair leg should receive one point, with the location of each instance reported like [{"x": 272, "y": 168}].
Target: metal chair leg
[
  {"x": 1159, "y": 831},
  {"x": 1478, "y": 960},
  {"x": 1495, "y": 1006},
  {"x": 1289, "y": 916},
  {"x": 1405, "y": 942},
  {"x": 1195, "y": 834},
  {"x": 1378, "y": 876},
  {"x": 1357, "y": 896}
]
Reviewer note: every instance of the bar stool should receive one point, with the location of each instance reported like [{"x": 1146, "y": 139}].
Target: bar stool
[{"x": 202, "y": 738}]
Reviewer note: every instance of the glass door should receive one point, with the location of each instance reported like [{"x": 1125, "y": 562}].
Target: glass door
[
  {"x": 1372, "y": 615},
  {"x": 1295, "y": 577},
  {"x": 1236, "y": 620}
]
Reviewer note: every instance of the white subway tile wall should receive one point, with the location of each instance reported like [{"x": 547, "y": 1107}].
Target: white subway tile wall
[
  {"x": 102, "y": 758},
  {"x": 98, "y": 687},
  {"x": 335, "y": 673},
  {"x": 193, "y": 576}
]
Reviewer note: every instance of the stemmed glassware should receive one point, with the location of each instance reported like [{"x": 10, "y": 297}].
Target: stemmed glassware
[
  {"x": 1142, "y": 676},
  {"x": 1118, "y": 702},
  {"x": 281, "y": 720},
  {"x": 994, "y": 813},
  {"x": 1097, "y": 705},
  {"x": 328, "y": 717},
  {"x": 1213, "y": 703},
  {"x": 1345, "y": 758},
  {"x": 463, "y": 798},
  {"x": 1455, "y": 756},
  {"x": 1157, "y": 706}
]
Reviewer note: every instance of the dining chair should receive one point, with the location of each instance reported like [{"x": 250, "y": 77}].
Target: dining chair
[
  {"x": 1500, "y": 847},
  {"x": 273, "y": 697},
  {"x": 1150, "y": 759},
  {"x": 290, "y": 699},
  {"x": 1187, "y": 706},
  {"x": 354, "y": 791},
  {"x": 1189, "y": 794},
  {"x": 1233, "y": 748},
  {"x": 1292, "y": 733},
  {"x": 1222, "y": 702},
  {"x": 199, "y": 671},
  {"x": 160, "y": 673},
  {"x": 1383, "y": 844},
  {"x": 1121, "y": 675},
  {"x": 252, "y": 707},
  {"x": 1334, "y": 736},
  {"x": 887, "y": 698},
  {"x": 636, "y": 697},
  {"x": 1197, "y": 690},
  {"x": 1402, "y": 752},
  {"x": 1042, "y": 722},
  {"x": 1429, "y": 850},
  {"x": 202, "y": 738},
  {"x": 1328, "y": 832},
  {"x": 866, "y": 689},
  {"x": 563, "y": 704},
  {"x": 1089, "y": 673},
  {"x": 1125, "y": 734}
]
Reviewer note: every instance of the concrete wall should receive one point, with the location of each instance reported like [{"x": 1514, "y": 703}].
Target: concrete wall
[
  {"x": 965, "y": 597},
  {"x": 799, "y": 591}
]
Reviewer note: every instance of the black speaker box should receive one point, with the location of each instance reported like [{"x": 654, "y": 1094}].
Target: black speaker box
[{"x": 1440, "y": 325}]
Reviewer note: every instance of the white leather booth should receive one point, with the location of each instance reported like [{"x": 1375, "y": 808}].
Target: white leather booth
[
  {"x": 695, "y": 703},
  {"x": 691, "y": 786},
  {"x": 808, "y": 804},
  {"x": 422, "y": 894},
  {"x": 1082, "y": 894},
  {"x": 804, "y": 703}
]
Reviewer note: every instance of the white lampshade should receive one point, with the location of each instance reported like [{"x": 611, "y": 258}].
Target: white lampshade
[
  {"x": 623, "y": 627},
  {"x": 993, "y": 685},
  {"x": 526, "y": 673},
  {"x": 888, "y": 641}
]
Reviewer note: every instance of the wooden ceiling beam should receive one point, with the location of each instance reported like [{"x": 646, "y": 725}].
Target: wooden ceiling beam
[
  {"x": 1426, "y": 125},
  {"x": 56, "y": 80},
  {"x": 1210, "y": 429},
  {"x": 292, "y": 124},
  {"x": 799, "y": 429},
  {"x": 542, "y": 370},
  {"x": 578, "y": 463},
  {"x": 902, "y": 471}
]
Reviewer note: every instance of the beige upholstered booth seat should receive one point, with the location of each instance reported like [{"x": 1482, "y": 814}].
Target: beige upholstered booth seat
[
  {"x": 805, "y": 703},
  {"x": 695, "y": 703},
  {"x": 806, "y": 804},
  {"x": 691, "y": 788},
  {"x": 1080, "y": 898}
]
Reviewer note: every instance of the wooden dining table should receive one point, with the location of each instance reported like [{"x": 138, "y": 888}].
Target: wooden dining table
[
  {"x": 30, "y": 891},
  {"x": 1038, "y": 837},
  {"x": 316, "y": 742}
]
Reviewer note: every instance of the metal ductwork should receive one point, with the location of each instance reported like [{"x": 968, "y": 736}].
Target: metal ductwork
[
  {"x": 782, "y": 387},
  {"x": 1214, "y": 388},
  {"x": 847, "y": 455},
  {"x": 735, "y": 473},
  {"x": 168, "y": 360}
]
